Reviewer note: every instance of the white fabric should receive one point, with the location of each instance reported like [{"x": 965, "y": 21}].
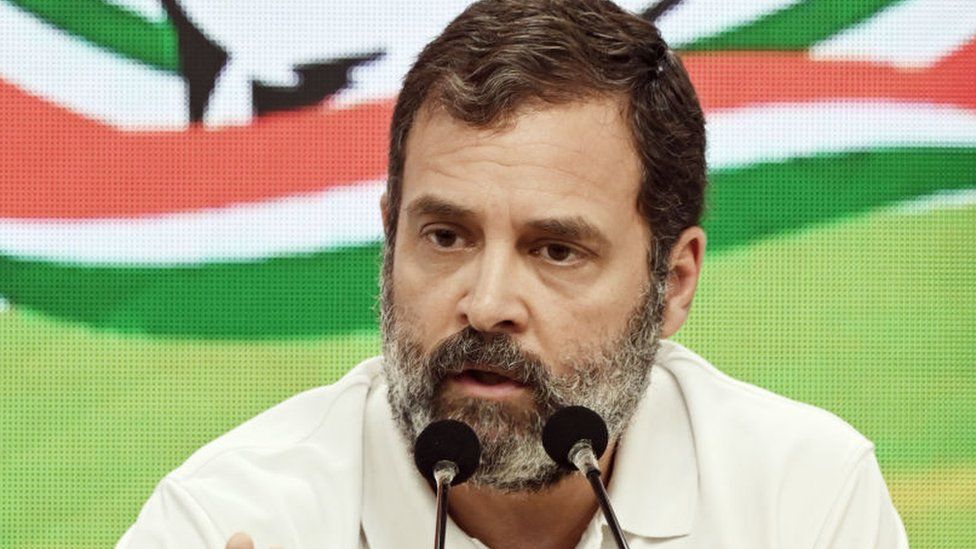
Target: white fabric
[{"x": 707, "y": 462}]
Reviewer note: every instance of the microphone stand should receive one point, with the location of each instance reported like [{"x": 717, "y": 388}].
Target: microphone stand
[
  {"x": 444, "y": 473},
  {"x": 447, "y": 452},
  {"x": 581, "y": 455}
]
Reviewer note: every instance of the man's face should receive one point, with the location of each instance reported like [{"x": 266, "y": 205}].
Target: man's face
[{"x": 519, "y": 281}]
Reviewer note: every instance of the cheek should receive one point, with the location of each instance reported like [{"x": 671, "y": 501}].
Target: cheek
[
  {"x": 425, "y": 301},
  {"x": 597, "y": 319}
]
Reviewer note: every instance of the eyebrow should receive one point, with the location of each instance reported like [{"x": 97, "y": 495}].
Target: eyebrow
[
  {"x": 570, "y": 228},
  {"x": 431, "y": 205}
]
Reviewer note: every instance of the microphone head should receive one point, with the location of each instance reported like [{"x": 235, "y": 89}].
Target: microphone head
[
  {"x": 570, "y": 425},
  {"x": 447, "y": 440}
]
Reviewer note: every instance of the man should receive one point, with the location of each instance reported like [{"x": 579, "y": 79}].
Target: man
[{"x": 546, "y": 183}]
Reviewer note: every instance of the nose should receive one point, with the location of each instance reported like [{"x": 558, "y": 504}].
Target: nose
[{"x": 495, "y": 298}]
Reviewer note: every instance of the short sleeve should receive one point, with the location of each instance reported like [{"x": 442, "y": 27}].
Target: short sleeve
[
  {"x": 171, "y": 519},
  {"x": 863, "y": 515}
]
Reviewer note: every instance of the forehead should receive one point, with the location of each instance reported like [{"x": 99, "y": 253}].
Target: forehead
[{"x": 575, "y": 159}]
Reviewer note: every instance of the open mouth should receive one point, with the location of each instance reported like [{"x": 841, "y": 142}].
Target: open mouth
[
  {"x": 487, "y": 383},
  {"x": 487, "y": 378}
]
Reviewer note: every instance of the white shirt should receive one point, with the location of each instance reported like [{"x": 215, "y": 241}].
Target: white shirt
[{"x": 706, "y": 462}]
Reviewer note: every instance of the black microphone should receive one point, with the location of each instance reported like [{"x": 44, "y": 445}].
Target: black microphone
[
  {"x": 575, "y": 437},
  {"x": 446, "y": 453}
]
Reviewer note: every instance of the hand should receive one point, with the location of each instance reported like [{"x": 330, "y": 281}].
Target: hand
[{"x": 241, "y": 540}]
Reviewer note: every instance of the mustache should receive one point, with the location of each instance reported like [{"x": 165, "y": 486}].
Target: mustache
[{"x": 497, "y": 351}]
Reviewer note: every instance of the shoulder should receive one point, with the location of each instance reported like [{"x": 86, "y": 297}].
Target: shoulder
[
  {"x": 725, "y": 408},
  {"x": 322, "y": 416},
  {"x": 281, "y": 471},
  {"x": 762, "y": 453}
]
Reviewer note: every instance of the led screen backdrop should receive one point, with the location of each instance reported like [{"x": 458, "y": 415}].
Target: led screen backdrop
[{"x": 189, "y": 228}]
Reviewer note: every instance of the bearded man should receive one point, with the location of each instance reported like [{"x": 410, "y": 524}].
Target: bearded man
[{"x": 546, "y": 182}]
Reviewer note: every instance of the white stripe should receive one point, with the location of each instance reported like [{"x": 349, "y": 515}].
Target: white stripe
[
  {"x": 694, "y": 19},
  {"x": 349, "y": 216},
  {"x": 771, "y": 133},
  {"x": 4, "y": 305},
  {"x": 98, "y": 84},
  {"x": 61, "y": 68},
  {"x": 941, "y": 200},
  {"x": 293, "y": 225},
  {"x": 910, "y": 34},
  {"x": 151, "y": 10}
]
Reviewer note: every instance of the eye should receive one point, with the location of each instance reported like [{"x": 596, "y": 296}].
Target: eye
[
  {"x": 560, "y": 254},
  {"x": 443, "y": 238}
]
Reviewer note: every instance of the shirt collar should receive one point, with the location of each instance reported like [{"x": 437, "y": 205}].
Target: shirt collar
[{"x": 654, "y": 486}]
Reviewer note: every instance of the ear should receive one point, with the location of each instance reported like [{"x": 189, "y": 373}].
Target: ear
[
  {"x": 685, "y": 265},
  {"x": 385, "y": 212}
]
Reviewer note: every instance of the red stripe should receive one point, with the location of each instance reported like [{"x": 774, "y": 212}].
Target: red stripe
[
  {"x": 56, "y": 164},
  {"x": 761, "y": 77},
  {"x": 59, "y": 165}
]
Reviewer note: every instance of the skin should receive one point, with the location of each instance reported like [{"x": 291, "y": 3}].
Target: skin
[{"x": 497, "y": 263}]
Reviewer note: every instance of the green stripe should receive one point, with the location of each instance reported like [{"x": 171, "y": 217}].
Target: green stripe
[
  {"x": 325, "y": 293},
  {"x": 770, "y": 199},
  {"x": 111, "y": 27},
  {"x": 333, "y": 292},
  {"x": 795, "y": 28}
]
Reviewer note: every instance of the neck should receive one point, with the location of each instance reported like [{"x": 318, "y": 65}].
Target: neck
[{"x": 554, "y": 518}]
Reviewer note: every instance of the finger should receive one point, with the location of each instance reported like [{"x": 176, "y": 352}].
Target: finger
[{"x": 240, "y": 540}]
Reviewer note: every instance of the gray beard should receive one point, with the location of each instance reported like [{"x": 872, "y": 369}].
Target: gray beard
[{"x": 610, "y": 379}]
